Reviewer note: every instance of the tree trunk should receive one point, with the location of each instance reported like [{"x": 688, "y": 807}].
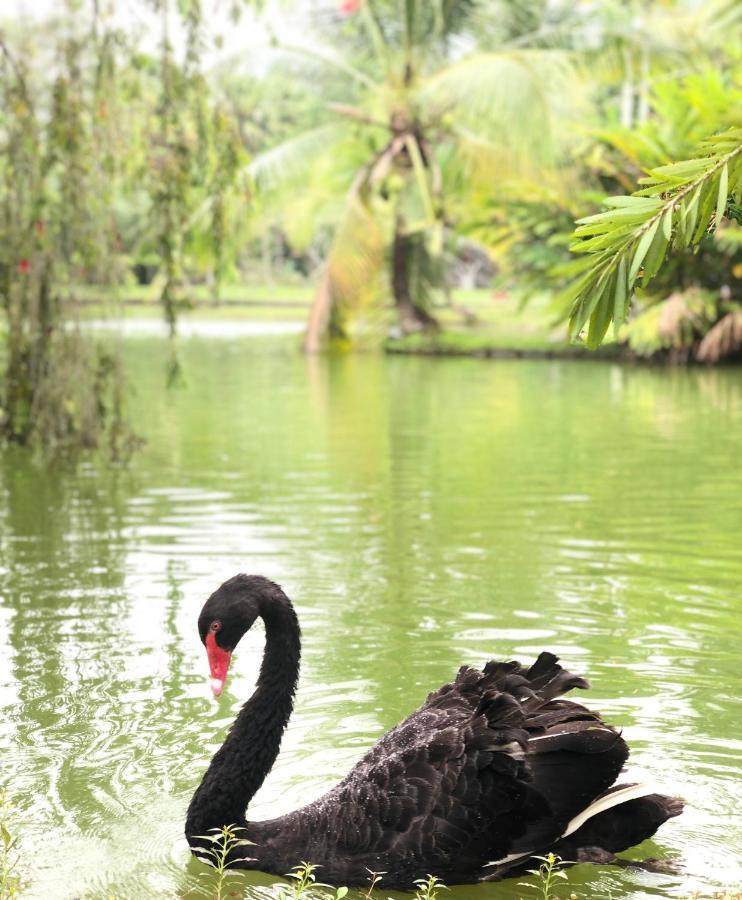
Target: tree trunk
[
  {"x": 411, "y": 316},
  {"x": 266, "y": 256},
  {"x": 642, "y": 113},
  {"x": 319, "y": 315},
  {"x": 627, "y": 91}
]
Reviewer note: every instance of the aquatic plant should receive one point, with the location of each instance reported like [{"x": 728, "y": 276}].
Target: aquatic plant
[
  {"x": 224, "y": 841},
  {"x": 305, "y": 883},
  {"x": 733, "y": 894},
  {"x": 428, "y": 887},
  {"x": 551, "y": 869},
  {"x": 10, "y": 881},
  {"x": 373, "y": 880}
]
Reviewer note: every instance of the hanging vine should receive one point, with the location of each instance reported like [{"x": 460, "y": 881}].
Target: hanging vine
[
  {"x": 60, "y": 389},
  {"x": 115, "y": 151}
]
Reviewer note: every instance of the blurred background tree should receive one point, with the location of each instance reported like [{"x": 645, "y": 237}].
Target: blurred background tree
[
  {"x": 114, "y": 164},
  {"x": 418, "y": 120},
  {"x": 60, "y": 168},
  {"x": 383, "y": 153}
]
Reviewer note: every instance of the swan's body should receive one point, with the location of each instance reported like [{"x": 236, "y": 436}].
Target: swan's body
[{"x": 492, "y": 769}]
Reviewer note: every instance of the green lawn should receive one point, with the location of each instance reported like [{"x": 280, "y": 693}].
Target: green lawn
[
  {"x": 502, "y": 325},
  {"x": 261, "y": 302},
  {"x": 480, "y": 322}
]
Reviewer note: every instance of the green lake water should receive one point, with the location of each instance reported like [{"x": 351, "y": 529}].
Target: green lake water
[{"x": 422, "y": 513}]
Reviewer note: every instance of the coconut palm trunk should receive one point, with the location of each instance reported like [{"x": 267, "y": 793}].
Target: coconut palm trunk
[
  {"x": 319, "y": 315},
  {"x": 412, "y": 316}
]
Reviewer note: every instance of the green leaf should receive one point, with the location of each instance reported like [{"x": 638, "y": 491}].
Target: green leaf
[
  {"x": 689, "y": 225},
  {"x": 655, "y": 255},
  {"x": 589, "y": 230},
  {"x": 602, "y": 229},
  {"x": 600, "y": 241},
  {"x": 643, "y": 204},
  {"x": 677, "y": 206},
  {"x": 667, "y": 223},
  {"x": 624, "y": 216},
  {"x": 641, "y": 250},
  {"x": 721, "y": 203},
  {"x": 601, "y": 317},
  {"x": 620, "y": 297},
  {"x": 572, "y": 268},
  {"x": 705, "y": 209},
  {"x": 583, "y": 308},
  {"x": 578, "y": 316},
  {"x": 681, "y": 171},
  {"x": 340, "y": 893}
]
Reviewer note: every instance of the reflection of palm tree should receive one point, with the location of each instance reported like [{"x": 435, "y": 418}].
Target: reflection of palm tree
[
  {"x": 420, "y": 123},
  {"x": 405, "y": 555}
]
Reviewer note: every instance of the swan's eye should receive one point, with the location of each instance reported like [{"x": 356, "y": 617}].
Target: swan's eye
[{"x": 215, "y": 626}]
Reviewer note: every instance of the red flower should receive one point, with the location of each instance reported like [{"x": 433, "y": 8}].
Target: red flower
[
  {"x": 24, "y": 266},
  {"x": 349, "y": 6}
]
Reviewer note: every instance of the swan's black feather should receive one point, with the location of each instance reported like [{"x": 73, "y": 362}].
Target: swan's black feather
[
  {"x": 489, "y": 766},
  {"x": 621, "y": 827},
  {"x": 493, "y": 768}
]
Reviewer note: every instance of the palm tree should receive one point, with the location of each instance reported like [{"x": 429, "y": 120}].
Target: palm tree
[{"x": 419, "y": 123}]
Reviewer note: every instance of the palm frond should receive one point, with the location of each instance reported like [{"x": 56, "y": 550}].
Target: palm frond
[
  {"x": 724, "y": 339},
  {"x": 514, "y": 98},
  {"x": 679, "y": 205},
  {"x": 476, "y": 158},
  {"x": 356, "y": 258},
  {"x": 333, "y": 61},
  {"x": 293, "y": 159},
  {"x": 673, "y": 325}
]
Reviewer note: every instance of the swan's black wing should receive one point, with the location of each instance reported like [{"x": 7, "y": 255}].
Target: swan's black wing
[{"x": 491, "y": 765}]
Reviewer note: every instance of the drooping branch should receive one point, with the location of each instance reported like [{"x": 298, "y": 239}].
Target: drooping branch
[{"x": 680, "y": 204}]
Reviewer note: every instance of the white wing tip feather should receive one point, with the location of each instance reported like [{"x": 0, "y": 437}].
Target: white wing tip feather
[{"x": 608, "y": 801}]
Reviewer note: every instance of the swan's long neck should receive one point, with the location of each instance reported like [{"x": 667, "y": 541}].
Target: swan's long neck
[{"x": 239, "y": 767}]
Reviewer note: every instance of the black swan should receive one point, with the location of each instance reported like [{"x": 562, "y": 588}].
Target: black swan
[{"x": 492, "y": 769}]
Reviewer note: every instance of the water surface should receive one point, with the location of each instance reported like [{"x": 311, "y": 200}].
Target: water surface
[{"x": 422, "y": 513}]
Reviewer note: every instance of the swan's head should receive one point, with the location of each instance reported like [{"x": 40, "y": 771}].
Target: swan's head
[{"x": 228, "y": 613}]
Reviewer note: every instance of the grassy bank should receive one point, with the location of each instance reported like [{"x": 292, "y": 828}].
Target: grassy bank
[
  {"x": 491, "y": 343},
  {"x": 477, "y": 323},
  {"x": 259, "y": 302}
]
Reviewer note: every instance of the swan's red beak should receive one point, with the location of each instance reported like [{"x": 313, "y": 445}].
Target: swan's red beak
[{"x": 218, "y": 663}]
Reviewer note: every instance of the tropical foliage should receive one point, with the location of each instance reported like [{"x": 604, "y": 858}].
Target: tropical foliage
[
  {"x": 117, "y": 161},
  {"x": 399, "y": 141},
  {"x": 415, "y": 131},
  {"x": 530, "y": 227},
  {"x": 678, "y": 206},
  {"x": 58, "y": 171}
]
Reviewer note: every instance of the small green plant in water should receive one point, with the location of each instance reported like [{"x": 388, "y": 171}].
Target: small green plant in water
[
  {"x": 10, "y": 882},
  {"x": 303, "y": 880},
  {"x": 373, "y": 879},
  {"x": 428, "y": 887},
  {"x": 224, "y": 840},
  {"x": 548, "y": 872},
  {"x": 304, "y": 884}
]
